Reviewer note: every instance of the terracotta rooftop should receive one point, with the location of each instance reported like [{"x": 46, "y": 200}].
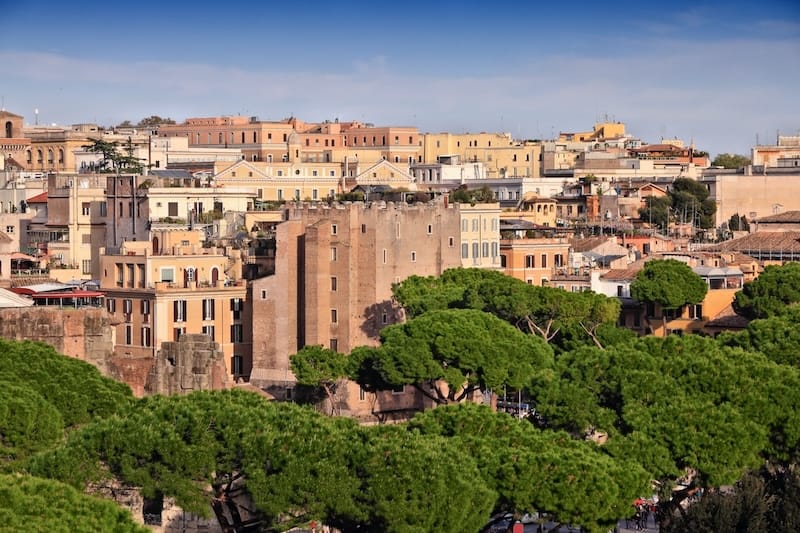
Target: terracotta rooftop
[
  {"x": 786, "y": 216},
  {"x": 40, "y": 198},
  {"x": 728, "y": 319},
  {"x": 755, "y": 244},
  {"x": 622, "y": 274},
  {"x": 587, "y": 243}
]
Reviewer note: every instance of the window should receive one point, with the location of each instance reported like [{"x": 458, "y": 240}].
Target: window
[
  {"x": 86, "y": 266},
  {"x": 263, "y": 294},
  {"x": 146, "y": 337},
  {"x": 495, "y": 249},
  {"x": 177, "y": 332},
  {"x": 237, "y": 333},
  {"x": 127, "y": 306},
  {"x": 503, "y": 261},
  {"x": 128, "y": 334},
  {"x": 179, "y": 310},
  {"x": 334, "y": 316},
  {"x": 280, "y": 191},
  {"x": 399, "y": 389},
  {"x": 334, "y": 344},
  {"x": 544, "y": 260},
  {"x": 237, "y": 307},
  {"x": 485, "y": 249},
  {"x": 86, "y": 208},
  {"x": 475, "y": 250},
  {"x": 172, "y": 209},
  {"x": 413, "y": 257},
  {"x": 315, "y": 192},
  {"x": 333, "y": 283},
  {"x": 334, "y": 229},
  {"x": 362, "y": 394},
  {"x": 451, "y": 242},
  {"x": 363, "y": 228},
  {"x": 333, "y": 253},
  {"x": 208, "y": 308},
  {"x": 464, "y": 250},
  {"x": 111, "y": 305},
  {"x": 145, "y": 307},
  {"x": 430, "y": 229},
  {"x": 529, "y": 262},
  {"x": 103, "y": 209},
  {"x": 465, "y": 225},
  {"x": 168, "y": 274},
  {"x": 209, "y": 330},
  {"x": 129, "y": 275},
  {"x": 238, "y": 365},
  {"x": 384, "y": 318},
  {"x": 384, "y": 256},
  {"x": 190, "y": 274}
]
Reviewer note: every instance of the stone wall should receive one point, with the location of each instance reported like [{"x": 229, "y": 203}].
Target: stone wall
[
  {"x": 193, "y": 363},
  {"x": 84, "y": 334}
]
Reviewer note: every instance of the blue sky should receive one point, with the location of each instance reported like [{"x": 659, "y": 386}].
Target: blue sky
[{"x": 720, "y": 73}]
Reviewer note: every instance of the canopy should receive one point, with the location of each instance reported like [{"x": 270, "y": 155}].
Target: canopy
[{"x": 19, "y": 256}]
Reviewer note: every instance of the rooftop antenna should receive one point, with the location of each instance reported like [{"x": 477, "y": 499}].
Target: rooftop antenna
[{"x": 36, "y": 114}]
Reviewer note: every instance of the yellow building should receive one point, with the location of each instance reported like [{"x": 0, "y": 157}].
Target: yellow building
[
  {"x": 159, "y": 290},
  {"x": 533, "y": 209},
  {"x": 502, "y": 156},
  {"x": 480, "y": 235}
]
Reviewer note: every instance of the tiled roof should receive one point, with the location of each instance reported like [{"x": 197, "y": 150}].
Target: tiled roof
[
  {"x": 40, "y": 198},
  {"x": 754, "y": 244},
  {"x": 587, "y": 243},
  {"x": 728, "y": 319},
  {"x": 622, "y": 274},
  {"x": 786, "y": 216}
]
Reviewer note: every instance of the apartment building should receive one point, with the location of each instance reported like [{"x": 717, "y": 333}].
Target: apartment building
[
  {"x": 160, "y": 289},
  {"x": 534, "y": 260},
  {"x": 502, "y": 156},
  {"x": 480, "y": 235},
  {"x": 296, "y": 141},
  {"x": 335, "y": 266}
]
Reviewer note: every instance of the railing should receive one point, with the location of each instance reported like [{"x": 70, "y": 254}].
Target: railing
[{"x": 31, "y": 272}]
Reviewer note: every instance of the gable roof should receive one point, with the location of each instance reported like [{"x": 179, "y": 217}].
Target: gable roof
[
  {"x": 40, "y": 198},
  {"x": 366, "y": 175}
]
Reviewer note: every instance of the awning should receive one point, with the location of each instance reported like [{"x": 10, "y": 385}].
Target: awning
[{"x": 19, "y": 256}]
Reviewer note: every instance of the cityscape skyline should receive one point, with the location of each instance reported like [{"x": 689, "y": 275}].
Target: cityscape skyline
[{"x": 723, "y": 77}]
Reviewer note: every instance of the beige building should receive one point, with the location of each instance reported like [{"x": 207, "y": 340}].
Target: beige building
[
  {"x": 502, "y": 156},
  {"x": 785, "y": 153},
  {"x": 335, "y": 266},
  {"x": 160, "y": 289},
  {"x": 480, "y": 235},
  {"x": 754, "y": 195},
  {"x": 293, "y": 140}
]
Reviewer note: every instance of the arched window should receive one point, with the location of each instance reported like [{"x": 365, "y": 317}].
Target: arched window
[
  {"x": 61, "y": 155},
  {"x": 8, "y": 130}
]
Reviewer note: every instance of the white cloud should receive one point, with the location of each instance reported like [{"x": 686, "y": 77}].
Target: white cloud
[{"x": 721, "y": 93}]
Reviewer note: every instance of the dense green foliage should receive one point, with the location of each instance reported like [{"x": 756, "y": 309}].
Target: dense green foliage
[
  {"x": 770, "y": 293},
  {"x": 760, "y": 501},
  {"x": 687, "y": 202},
  {"x": 678, "y": 403},
  {"x": 777, "y": 337},
  {"x": 75, "y": 388},
  {"x": 28, "y": 422},
  {"x": 320, "y": 368},
  {"x": 691, "y": 203},
  {"x": 544, "y": 311},
  {"x": 34, "y": 504},
  {"x": 449, "y": 354},
  {"x": 730, "y": 161},
  {"x": 738, "y": 223},
  {"x": 669, "y": 283},
  {"x": 573, "y": 481},
  {"x": 466, "y": 195}
]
